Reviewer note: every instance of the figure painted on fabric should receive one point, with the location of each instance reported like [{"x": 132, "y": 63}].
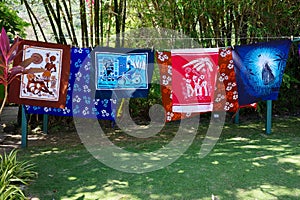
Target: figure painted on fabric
[
  {"x": 121, "y": 71},
  {"x": 36, "y": 85},
  {"x": 264, "y": 63},
  {"x": 41, "y": 86},
  {"x": 194, "y": 79},
  {"x": 196, "y": 73},
  {"x": 259, "y": 68},
  {"x": 108, "y": 65},
  {"x": 165, "y": 69},
  {"x": 50, "y": 66}
]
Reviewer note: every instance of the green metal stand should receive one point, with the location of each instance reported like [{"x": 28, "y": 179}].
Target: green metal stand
[
  {"x": 24, "y": 128},
  {"x": 237, "y": 117},
  {"x": 269, "y": 117},
  {"x": 45, "y": 123}
]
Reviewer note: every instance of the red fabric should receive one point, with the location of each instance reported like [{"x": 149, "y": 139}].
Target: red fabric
[
  {"x": 165, "y": 67},
  {"x": 226, "y": 95},
  {"x": 194, "y": 75}
]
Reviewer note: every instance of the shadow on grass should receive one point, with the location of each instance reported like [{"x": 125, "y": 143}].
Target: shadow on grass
[{"x": 245, "y": 164}]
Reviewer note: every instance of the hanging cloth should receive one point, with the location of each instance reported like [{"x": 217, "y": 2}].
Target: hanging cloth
[
  {"x": 226, "y": 94},
  {"x": 259, "y": 70},
  {"x": 165, "y": 68},
  {"x": 123, "y": 72},
  {"x": 47, "y": 87},
  {"x": 193, "y": 79},
  {"x": 79, "y": 101}
]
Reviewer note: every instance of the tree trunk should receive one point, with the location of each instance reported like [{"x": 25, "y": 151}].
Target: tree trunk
[
  {"x": 84, "y": 31},
  {"x": 123, "y": 23},
  {"x": 91, "y": 23},
  {"x": 96, "y": 22},
  {"x": 51, "y": 20},
  {"x": 109, "y": 24},
  {"x": 29, "y": 10},
  {"x": 117, "y": 20},
  {"x": 67, "y": 25},
  {"x": 69, "y": 17},
  {"x": 101, "y": 23}
]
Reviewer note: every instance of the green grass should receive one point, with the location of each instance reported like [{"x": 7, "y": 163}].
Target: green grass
[{"x": 244, "y": 164}]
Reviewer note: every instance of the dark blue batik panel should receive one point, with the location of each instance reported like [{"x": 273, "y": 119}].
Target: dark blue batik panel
[{"x": 259, "y": 70}]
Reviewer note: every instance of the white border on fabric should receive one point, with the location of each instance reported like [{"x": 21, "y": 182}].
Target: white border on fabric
[
  {"x": 59, "y": 71},
  {"x": 197, "y": 50},
  {"x": 192, "y": 108}
]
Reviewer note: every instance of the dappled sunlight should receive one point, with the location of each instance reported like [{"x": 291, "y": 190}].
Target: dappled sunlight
[
  {"x": 237, "y": 139},
  {"x": 267, "y": 192},
  {"x": 263, "y": 157},
  {"x": 257, "y": 164},
  {"x": 47, "y": 152},
  {"x": 91, "y": 195},
  {"x": 115, "y": 184},
  {"x": 293, "y": 159},
  {"x": 244, "y": 164},
  {"x": 215, "y": 162},
  {"x": 263, "y": 147},
  {"x": 72, "y": 178}
]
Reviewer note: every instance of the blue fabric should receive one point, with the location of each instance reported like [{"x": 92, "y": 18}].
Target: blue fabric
[
  {"x": 123, "y": 72},
  {"x": 259, "y": 70},
  {"x": 80, "y": 100}
]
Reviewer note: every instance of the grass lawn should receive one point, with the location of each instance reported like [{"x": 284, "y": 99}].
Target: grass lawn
[{"x": 244, "y": 164}]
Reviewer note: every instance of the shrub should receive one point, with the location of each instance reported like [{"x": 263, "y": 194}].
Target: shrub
[{"x": 14, "y": 173}]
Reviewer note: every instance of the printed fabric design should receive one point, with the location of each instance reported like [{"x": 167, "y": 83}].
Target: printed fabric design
[
  {"x": 44, "y": 85},
  {"x": 259, "y": 70},
  {"x": 193, "y": 79},
  {"x": 165, "y": 68},
  {"x": 226, "y": 94},
  {"x": 81, "y": 104},
  {"x": 123, "y": 72},
  {"x": 47, "y": 82}
]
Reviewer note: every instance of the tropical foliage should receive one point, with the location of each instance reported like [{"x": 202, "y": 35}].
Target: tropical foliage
[
  {"x": 14, "y": 173},
  {"x": 8, "y": 72},
  {"x": 9, "y": 19}
]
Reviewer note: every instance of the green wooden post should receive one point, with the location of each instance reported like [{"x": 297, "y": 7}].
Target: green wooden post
[
  {"x": 237, "y": 117},
  {"x": 269, "y": 117},
  {"x": 24, "y": 128},
  {"x": 45, "y": 123}
]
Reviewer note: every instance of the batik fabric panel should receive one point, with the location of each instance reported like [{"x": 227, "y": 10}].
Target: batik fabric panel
[
  {"x": 259, "y": 70},
  {"x": 123, "y": 72},
  {"x": 193, "y": 79},
  {"x": 79, "y": 101},
  {"x": 48, "y": 86},
  {"x": 226, "y": 94},
  {"x": 165, "y": 68}
]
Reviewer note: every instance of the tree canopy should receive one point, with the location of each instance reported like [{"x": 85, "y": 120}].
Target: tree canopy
[
  {"x": 220, "y": 22},
  {"x": 9, "y": 19}
]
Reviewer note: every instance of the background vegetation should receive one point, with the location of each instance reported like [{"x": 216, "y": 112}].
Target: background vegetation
[{"x": 87, "y": 23}]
